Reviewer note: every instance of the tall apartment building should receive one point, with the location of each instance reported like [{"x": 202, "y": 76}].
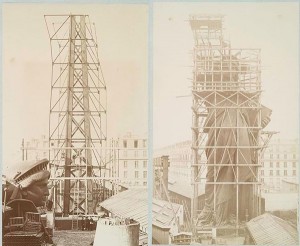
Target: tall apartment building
[
  {"x": 132, "y": 166},
  {"x": 280, "y": 162},
  {"x": 127, "y": 157}
]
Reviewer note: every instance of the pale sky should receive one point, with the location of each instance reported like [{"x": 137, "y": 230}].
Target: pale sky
[
  {"x": 271, "y": 27},
  {"x": 122, "y": 34}
]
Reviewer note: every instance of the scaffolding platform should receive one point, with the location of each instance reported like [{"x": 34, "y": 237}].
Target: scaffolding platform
[{"x": 227, "y": 124}]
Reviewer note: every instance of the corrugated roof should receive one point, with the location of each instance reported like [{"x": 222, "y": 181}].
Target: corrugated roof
[
  {"x": 133, "y": 203},
  {"x": 163, "y": 213},
  {"x": 268, "y": 229}
]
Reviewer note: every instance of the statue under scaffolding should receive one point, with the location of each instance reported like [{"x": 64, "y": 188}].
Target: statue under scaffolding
[{"x": 227, "y": 121}]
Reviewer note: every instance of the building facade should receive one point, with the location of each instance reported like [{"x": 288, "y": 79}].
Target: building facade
[
  {"x": 180, "y": 155},
  {"x": 132, "y": 166},
  {"x": 280, "y": 163},
  {"x": 126, "y": 158}
]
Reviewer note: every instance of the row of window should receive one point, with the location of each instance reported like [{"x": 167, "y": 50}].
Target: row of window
[
  {"x": 285, "y": 156},
  {"x": 135, "y": 153},
  {"x": 136, "y": 174},
  {"x": 136, "y": 164},
  {"x": 285, "y": 164},
  {"x": 285, "y": 173},
  {"x": 135, "y": 183},
  {"x": 181, "y": 157},
  {"x": 135, "y": 143}
]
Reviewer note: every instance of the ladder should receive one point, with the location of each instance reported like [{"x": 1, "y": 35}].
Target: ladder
[{"x": 75, "y": 203}]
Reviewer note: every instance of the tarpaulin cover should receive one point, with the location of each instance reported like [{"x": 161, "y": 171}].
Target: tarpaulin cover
[{"x": 231, "y": 134}]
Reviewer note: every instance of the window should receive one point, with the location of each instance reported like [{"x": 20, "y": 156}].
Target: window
[
  {"x": 125, "y": 174},
  {"x": 271, "y": 156},
  {"x": 294, "y": 164},
  {"x": 271, "y": 164},
  {"x": 285, "y": 156},
  {"x": 278, "y": 156},
  {"x": 124, "y": 143},
  {"x": 262, "y": 163},
  {"x": 285, "y": 172},
  {"x": 262, "y": 180},
  {"x": 144, "y": 153},
  {"x": 277, "y": 164},
  {"x": 271, "y": 172},
  {"x": 145, "y": 183},
  {"x": 144, "y": 143},
  {"x": 125, "y": 164},
  {"x": 294, "y": 172},
  {"x": 277, "y": 173},
  {"x": 285, "y": 164},
  {"x": 145, "y": 174},
  {"x": 136, "y": 164},
  {"x": 145, "y": 164},
  {"x": 294, "y": 156},
  {"x": 136, "y": 174},
  {"x": 135, "y": 143},
  {"x": 262, "y": 172}
]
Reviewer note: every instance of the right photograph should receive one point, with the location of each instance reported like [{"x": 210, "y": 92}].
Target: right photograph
[{"x": 225, "y": 123}]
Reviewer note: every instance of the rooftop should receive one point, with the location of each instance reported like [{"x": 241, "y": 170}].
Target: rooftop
[
  {"x": 268, "y": 229},
  {"x": 133, "y": 204},
  {"x": 163, "y": 213},
  {"x": 184, "y": 188}
]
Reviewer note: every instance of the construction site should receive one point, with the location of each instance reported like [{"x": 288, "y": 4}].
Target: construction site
[
  {"x": 84, "y": 165},
  {"x": 79, "y": 186},
  {"x": 228, "y": 141}
]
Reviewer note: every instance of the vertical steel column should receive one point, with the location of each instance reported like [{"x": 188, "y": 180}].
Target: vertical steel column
[
  {"x": 87, "y": 129},
  {"x": 195, "y": 170},
  {"x": 68, "y": 140}
]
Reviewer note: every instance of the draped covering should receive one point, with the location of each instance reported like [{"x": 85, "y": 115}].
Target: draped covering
[{"x": 232, "y": 128}]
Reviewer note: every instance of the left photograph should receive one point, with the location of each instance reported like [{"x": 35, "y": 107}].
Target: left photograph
[{"x": 75, "y": 124}]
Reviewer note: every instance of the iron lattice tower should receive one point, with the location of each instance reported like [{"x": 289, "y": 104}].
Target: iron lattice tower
[
  {"x": 77, "y": 125},
  {"x": 226, "y": 120}
]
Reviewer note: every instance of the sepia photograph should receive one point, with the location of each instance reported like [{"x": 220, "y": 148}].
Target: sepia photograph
[
  {"x": 225, "y": 123},
  {"x": 75, "y": 124},
  {"x": 134, "y": 123}
]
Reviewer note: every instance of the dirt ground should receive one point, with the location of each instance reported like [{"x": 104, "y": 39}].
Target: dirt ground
[{"x": 73, "y": 238}]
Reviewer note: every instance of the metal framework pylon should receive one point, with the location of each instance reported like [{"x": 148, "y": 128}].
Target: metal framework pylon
[{"x": 77, "y": 125}]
